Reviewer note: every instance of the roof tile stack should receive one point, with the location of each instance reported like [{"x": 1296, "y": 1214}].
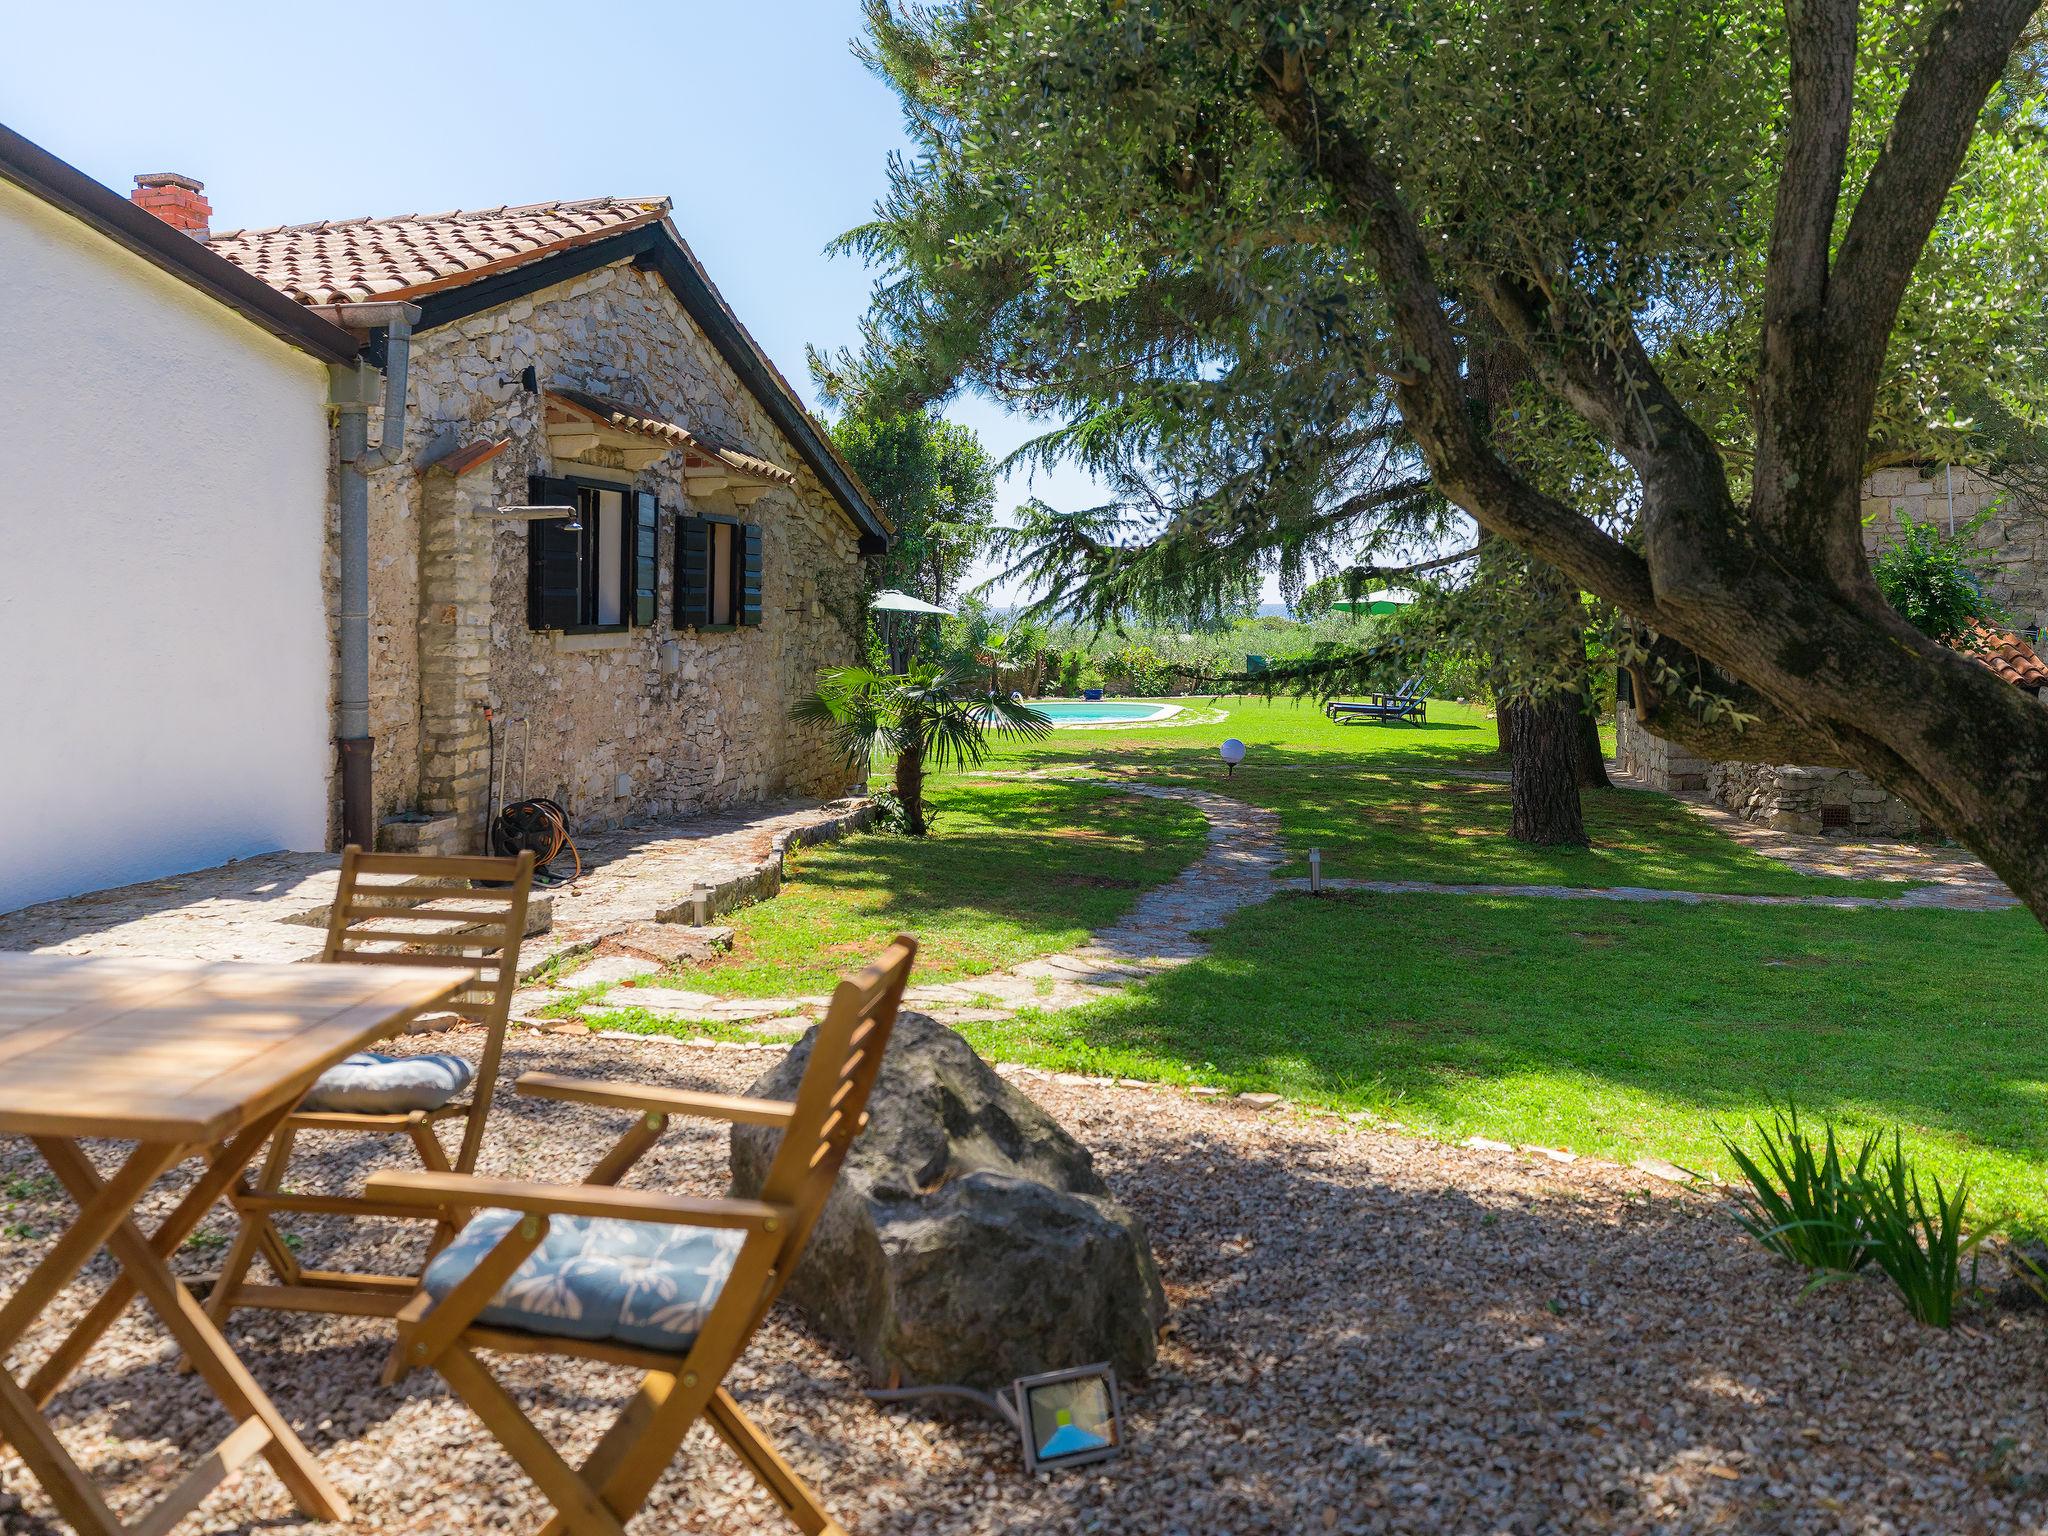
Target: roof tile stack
[{"x": 2009, "y": 657}]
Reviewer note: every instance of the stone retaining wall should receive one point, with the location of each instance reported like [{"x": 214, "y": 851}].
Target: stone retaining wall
[
  {"x": 1811, "y": 800},
  {"x": 764, "y": 880},
  {"x": 1657, "y": 762}
]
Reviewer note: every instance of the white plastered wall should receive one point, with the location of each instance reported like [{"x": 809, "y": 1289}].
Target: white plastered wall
[{"x": 164, "y": 663}]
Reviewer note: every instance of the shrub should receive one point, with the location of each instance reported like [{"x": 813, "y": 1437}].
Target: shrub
[
  {"x": 1936, "y": 580},
  {"x": 1802, "y": 1202},
  {"x": 1137, "y": 671},
  {"x": 1806, "y": 1203},
  {"x": 1920, "y": 1246}
]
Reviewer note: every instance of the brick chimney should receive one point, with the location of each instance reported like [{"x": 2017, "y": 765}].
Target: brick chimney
[{"x": 178, "y": 200}]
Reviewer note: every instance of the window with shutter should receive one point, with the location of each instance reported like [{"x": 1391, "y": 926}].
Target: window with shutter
[
  {"x": 747, "y": 579},
  {"x": 584, "y": 573},
  {"x": 646, "y": 515},
  {"x": 724, "y": 590},
  {"x": 554, "y": 559},
  {"x": 693, "y": 572},
  {"x": 718, "y": 573}
]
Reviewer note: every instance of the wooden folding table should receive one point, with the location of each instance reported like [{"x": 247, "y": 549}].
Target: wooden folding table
[{"x": 183, "y": 1059}]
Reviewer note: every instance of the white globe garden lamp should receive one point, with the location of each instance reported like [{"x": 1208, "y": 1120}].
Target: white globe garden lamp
[{"x": 1232, "y": 753}]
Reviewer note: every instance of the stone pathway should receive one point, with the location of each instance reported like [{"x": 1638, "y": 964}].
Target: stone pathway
[{"x": 1236, "y": 870}]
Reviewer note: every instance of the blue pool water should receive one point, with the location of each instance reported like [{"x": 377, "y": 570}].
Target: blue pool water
[{"x": 1094, "y": 712}]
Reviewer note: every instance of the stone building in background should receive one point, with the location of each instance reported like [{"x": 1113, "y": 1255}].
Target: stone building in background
[{"x": 1795, "y": 798}]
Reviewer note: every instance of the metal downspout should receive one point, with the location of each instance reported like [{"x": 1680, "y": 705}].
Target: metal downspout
[{"x": 352, "y": 388}]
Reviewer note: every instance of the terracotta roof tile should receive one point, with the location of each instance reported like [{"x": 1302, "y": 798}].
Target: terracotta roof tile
[
  {"x": 345, "y": 261},
  {"x": 2009, "y": 657}
]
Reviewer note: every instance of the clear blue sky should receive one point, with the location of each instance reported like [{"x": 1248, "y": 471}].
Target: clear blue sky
[{"x": 754, "y": 117}]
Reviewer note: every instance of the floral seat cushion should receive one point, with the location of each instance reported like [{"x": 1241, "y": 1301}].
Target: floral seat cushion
[
  {"x": 369, "y": 1084},
  {"x": 642, "y": 1283}
]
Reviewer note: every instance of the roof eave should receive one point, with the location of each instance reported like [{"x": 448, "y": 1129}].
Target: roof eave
[{"x": 62, "y": 185}]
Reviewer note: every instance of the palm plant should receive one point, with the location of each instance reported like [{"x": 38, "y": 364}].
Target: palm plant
[
  {"x": 918, "y": 716},
  {"x": 998, "y": 650}
]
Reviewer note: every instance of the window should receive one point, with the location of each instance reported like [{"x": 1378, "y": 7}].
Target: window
[
  {"x": 598, "y": 573},
  {"x": 718, "y": 573}
]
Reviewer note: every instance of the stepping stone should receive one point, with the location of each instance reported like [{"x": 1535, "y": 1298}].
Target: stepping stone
[
  {"x": 1658, "y": 1168},
  {"x": 1261, "y": 1100},
  {"x": 666, "y": 943},
  {"x": 660, "y": 1000},
  {"x": 957, "y": 1016},
  {"x": 1487, "y": 1144},
  {"x": 611, "y": 968}
]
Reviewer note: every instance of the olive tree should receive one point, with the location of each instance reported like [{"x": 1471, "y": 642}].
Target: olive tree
[{"x": 1740, "y": 255}]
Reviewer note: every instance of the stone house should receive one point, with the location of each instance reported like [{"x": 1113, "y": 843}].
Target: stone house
[
  {"x": 499, "y": 503},
  {"x": 636, "y": 658},
  {"x": 2012, "y": 532}
]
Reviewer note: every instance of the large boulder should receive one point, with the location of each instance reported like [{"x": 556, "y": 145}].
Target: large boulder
[{"x": 969, "y": 1238}]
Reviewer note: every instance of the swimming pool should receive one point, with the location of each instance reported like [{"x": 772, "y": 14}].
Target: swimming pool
[{"x": 1102, "y": 711}]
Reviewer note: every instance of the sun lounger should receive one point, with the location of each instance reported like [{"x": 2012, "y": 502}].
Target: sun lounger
[{"x": 1406, "y": 703}]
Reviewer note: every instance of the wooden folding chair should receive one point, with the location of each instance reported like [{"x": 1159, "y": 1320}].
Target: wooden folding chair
[
  {"x": 760, "y": 1240},
  {"x": 390, "y": 909}
]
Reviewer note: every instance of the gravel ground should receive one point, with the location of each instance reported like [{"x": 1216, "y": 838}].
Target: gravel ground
[{"x": 1370, "y": 1333}]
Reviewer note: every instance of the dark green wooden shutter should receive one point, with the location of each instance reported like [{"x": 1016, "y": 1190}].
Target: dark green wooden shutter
[
  {"x": 641, "y": 565},
  {"x": 554, "y": 575},
  {"x": 693, "y": 572},
  {"x": 746, "y": 602}
]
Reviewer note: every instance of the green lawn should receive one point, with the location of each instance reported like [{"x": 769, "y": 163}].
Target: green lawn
[
  {"x": 1375, "y": 798},
  {"x": 1612, "y": 1029},
  {"x": 1606, "y": 1028},
  {"x": 1012, "y": 870}
]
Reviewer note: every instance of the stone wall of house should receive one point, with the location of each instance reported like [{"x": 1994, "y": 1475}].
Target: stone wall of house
[
  {"x": 1656, "y": 762},
  {"x": 650, "y": 722},
  {"x": 2014, "y": 533}
]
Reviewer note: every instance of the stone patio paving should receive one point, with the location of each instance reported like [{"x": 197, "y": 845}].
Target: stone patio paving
[{"x": 274, "y": 907}]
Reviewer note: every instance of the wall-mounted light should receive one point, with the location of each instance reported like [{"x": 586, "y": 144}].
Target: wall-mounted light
[
  {"x": 540, "y": 514},
  {"x": 1063, "y": 1418}
]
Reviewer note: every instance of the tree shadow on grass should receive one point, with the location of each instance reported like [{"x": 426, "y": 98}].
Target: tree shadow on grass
[
  {"x": 1606, "y": 1026},
  {"x": 1399, "y": 819}
]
